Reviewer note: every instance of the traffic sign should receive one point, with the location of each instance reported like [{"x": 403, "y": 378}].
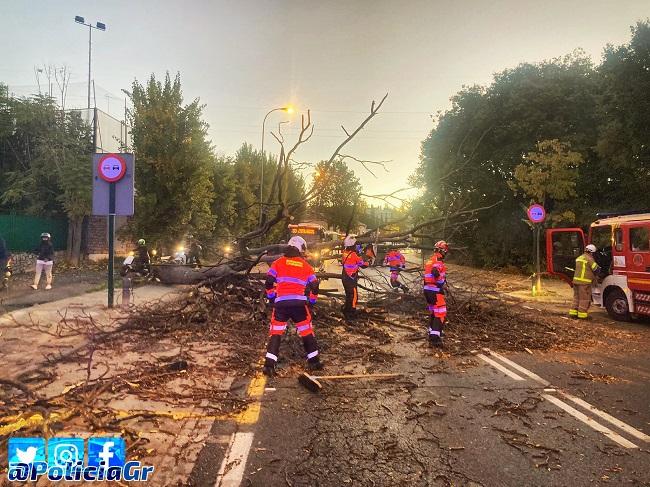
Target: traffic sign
[
  {"x": 536, "y": 213},
  {"x": 111, "y": 167},
  {"x": 124, "y": 190}
]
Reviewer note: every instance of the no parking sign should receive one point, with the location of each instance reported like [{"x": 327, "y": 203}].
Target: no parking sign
[{"x": 536, "y": 213}]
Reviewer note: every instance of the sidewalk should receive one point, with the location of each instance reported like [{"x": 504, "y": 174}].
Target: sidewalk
[{"x": 28, "y": 335}]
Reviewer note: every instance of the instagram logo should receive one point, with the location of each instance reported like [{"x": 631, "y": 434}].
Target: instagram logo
[{"x": 63, "y": 452}]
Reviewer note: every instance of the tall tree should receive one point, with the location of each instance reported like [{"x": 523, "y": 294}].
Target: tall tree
[
  {"x": 337, "y": 194},
  {"x": 174, "y": 163}
]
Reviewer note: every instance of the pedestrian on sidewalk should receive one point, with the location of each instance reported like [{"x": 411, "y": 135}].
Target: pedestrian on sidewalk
[
  {"x": 352, "y": 262},
  {"x": 44, "y": 261},
  {"x": 396, "y": 261},
  {"x": 435, "y": 279},
  {"x": 292, "y": 290},
  {"x": 586, "y": 270}
]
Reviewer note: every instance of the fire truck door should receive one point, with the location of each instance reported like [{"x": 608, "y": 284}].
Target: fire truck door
[
  {"x": 638, "y": 257},
  {"x": 563, "y": 246}
]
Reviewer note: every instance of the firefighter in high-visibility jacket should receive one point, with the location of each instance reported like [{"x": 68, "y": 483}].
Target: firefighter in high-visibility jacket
[
  {"x": 292, "y": 289},
  {"x": 352, "y": 262},
  {"x": 396, "y": 261},
  {"x": 586, "y": 271},
  {"x": 435, "y": 278}
]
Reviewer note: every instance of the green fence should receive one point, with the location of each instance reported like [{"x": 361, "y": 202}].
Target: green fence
[{"x": 22, "y": 233}]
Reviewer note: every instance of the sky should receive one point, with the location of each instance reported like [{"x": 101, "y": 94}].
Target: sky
[{"x": 243, "y": 58}]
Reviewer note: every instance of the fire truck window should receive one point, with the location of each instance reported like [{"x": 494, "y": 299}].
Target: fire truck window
[
  {"x": 640, "y": 239},
  {"x": 601, "y": 237},
  {"x": 618, "y": 238}
]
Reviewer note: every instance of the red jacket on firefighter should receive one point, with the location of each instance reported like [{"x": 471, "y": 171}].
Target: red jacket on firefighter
[
  {"x": 291, "y": 279},
  {"x": 435, "y": 273},
  {"x": 352, "y": 262},
  {"x": 395, "y": 260}
]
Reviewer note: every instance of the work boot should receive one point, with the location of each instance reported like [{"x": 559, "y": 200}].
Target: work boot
[
  {"x": 48, "y": 287},
  {"x": 269, "y": 370},
  {"x": 435, "y": 341},
  {"x": 315, "y": 364},
  {"x": 34, "y": 287}
]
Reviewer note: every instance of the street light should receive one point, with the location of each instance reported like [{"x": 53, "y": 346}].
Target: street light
[
  {"x": 99, "y": 26},
  {"x": 288, "y": 109}
]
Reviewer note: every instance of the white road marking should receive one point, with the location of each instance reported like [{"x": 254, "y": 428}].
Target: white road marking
[
  {"x": 580, "y": 402},
  {"x": 269, "y": 389},
  {"x": 521, "y": 369},
  {"x": 619, "y": 424},
  {"x": 233, "y": 466},
  {"x": 500, "y": 367},
  {"x": 590, "y": 422}
]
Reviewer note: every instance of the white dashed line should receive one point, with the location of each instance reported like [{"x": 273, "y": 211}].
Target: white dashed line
[
  {"x": 500, "y": 367},
  {"x": 590, "y": 422},
  {"x": 602, "y": 414}
]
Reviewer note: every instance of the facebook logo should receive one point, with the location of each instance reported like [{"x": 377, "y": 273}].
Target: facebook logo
[{"x": 106, "y": 452}]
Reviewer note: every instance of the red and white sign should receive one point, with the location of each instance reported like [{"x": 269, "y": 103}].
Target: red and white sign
[
  {"x": 536, "y": 213},
  {"x": 111, "y": 168}
]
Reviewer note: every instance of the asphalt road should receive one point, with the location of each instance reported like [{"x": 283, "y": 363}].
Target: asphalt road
[{"x": 577, "y": 418}]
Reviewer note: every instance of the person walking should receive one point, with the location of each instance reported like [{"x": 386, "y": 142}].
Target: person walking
[
  {"x": 292, "y": 289},
  {"x": 44, "y": 261},
  {"x": 586, "y": 270}
]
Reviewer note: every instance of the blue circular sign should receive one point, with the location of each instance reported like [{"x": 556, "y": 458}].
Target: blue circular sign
[{"x": 536, "y": 213}]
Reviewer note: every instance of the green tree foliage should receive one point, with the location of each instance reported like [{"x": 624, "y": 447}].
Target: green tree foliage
[
  {"x": 45, "y": 162},
  {"x": 477, "y": 145},
  {"x": 549, "y": 175},
  {"x": 237, "y": 192},
  {"x": 174, "y": 164},
  {"x": 337, "y": 192}
]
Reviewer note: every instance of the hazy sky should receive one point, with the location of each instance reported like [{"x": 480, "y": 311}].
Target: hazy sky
[{"x": 244, "y": 57}]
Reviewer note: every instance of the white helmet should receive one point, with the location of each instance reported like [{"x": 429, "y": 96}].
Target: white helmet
[
  {"x": 350, "y": 241},
  {"x": 591, "y": 248},
  {"x": 298, "y": 242}
]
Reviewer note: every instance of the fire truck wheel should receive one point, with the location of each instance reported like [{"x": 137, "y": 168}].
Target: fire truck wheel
[{"x": 617, "y": 305}]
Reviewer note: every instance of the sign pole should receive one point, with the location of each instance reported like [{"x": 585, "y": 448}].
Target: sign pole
[{"x": 111, "y": 243}]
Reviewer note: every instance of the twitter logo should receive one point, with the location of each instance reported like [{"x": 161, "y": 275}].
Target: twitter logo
[{"x": 26, "y": 450}]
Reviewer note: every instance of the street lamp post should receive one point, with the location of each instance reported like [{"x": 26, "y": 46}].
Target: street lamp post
[
  {"x": 98, "y": 26},
  {"x": 287, "y": 109}
]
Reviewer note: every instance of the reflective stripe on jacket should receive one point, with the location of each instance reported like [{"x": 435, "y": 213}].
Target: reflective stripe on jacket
[
  {"x": 586, "y": 268},
  {"x": 395, "y": 259},
  {"x": 435, "y": 273},
  {"x": 352, "y": 262},
  {"x": 291, "y": 278}
]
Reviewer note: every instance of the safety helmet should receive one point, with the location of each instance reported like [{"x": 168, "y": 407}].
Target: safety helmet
[
  {"x": 298, "y": 242},
  {"x": 350, "y": 241},
  {"x": 45, "y": 235},
  {"x": 141, "y": 242},
  {"x": 442, "y": 246},
  {"x": 591, "y": 248}
]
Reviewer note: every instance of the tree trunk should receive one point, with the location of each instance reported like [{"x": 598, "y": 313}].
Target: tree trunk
[{"x": 75, "y": 228}]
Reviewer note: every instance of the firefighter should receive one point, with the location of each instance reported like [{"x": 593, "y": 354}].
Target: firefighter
[
  {"x": 585, "y": 271},
  {"x": 396, "y": 261},
  {"x": 292, "y": 289},
  {"x": 352, "y": 262},
  {"x": 435, "y": 278}
]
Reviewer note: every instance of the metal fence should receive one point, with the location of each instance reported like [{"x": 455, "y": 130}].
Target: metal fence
[{"x": 23, "y": 233}]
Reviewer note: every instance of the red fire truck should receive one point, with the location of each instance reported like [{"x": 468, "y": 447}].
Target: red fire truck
[{"x": 623, "y": 243}]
